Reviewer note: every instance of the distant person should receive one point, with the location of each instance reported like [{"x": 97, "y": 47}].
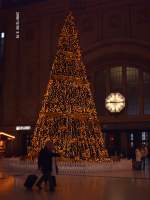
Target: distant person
[
  {"x": 131, "y": 155},
  {"x": 144, "y": 151},
  {"x": 138, "y": 156},
  {"x": 47, "y": 165}
]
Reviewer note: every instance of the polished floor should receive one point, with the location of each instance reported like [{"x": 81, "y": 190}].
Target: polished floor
[{"x": 120, "y": 185}]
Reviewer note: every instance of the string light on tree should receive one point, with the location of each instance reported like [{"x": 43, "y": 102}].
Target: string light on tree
[{"x": 68, "y": 116}]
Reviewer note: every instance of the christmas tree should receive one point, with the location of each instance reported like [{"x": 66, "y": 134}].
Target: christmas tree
[{"x": 68, "y": 116}]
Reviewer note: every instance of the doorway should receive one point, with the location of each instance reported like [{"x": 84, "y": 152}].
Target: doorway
[{"x": 121, "y": 142}]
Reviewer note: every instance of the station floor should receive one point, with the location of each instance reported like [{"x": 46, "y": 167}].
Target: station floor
[{"x": 119, "y": 185}]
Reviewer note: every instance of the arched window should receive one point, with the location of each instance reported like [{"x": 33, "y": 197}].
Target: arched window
[{"x": 132, "y": 82}]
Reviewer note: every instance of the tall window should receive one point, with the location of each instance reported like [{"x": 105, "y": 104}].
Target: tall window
[
  {"x": 146, "y": 88},
  {"x": 116, "y": 78},
  {"x": 2, "y": 43},
  {"x": 132, "y": 91}
]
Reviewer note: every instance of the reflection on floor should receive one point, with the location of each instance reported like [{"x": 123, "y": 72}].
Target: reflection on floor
[{"x": 123, "y": 185}]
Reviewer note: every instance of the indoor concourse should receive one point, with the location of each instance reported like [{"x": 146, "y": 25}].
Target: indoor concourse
[
  {"x": 75, "y": 72},
  {"x": 119, "y": 185}
]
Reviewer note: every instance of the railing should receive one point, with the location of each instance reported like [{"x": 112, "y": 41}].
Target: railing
[{"x": 70, "y": 167}]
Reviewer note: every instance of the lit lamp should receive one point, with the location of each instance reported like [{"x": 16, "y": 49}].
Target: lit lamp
[
  {"x": 7, "y": 135},
  {"x": 115, "y": 102},
  {"x": 2, "y": 146},
  {"x": 2, "y": 142}
]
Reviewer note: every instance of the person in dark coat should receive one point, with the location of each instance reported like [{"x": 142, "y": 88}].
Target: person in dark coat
[{"x": 45, "y": 164}]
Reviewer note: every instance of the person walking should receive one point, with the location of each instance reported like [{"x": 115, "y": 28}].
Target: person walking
[
  {"x": 54, "y": 171},
  {"x": 46, "y": 164}
]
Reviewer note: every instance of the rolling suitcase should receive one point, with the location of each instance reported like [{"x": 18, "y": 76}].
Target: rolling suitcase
[{"x": 30, "y": 181}]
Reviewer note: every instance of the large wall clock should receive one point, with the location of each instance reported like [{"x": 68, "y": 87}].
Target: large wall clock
[{"x": 115, "y": 102}]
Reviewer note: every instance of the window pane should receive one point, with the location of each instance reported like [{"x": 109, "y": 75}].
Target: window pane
[
  {"x": 143, "y": 136},
  {"x": 146, "y": 87},
  {"x": 116, "y": 78},
  {"x": 2, "y": 43},
  {"x": 132, "y": 86},
  {"x": 131, "y": 136},
  {"x": 132, "y": 144}
]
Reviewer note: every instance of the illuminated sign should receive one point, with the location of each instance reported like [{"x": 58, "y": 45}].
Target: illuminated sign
[
  {"x": 18, "y": 128},
  {"x": 17, "y": 25}
]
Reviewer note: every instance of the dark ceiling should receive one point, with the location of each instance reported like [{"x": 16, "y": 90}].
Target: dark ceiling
[{"x": 11, "y": 3}]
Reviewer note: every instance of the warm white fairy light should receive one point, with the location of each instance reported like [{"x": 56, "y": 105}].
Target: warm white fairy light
[{"x": 68, "y": 116}]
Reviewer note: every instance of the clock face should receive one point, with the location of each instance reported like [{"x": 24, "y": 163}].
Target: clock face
[{"x": 115, "y": 102}]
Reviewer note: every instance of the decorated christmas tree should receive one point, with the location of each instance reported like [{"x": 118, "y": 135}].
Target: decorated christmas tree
[{"x": 68, "y": 116}]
